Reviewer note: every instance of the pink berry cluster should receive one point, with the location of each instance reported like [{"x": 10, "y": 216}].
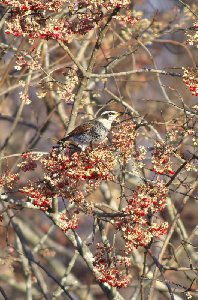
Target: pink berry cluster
[
  {"x": 134, "y": 225},
  {"x": 192, "y": 35},
  {"x": 68, "y": 171},
  {"x": 123, "y": 138},
  {"x": 8, "y": 180},
  {"x": 57, "y": 19},
  {"x": 25, "y": 60},
  {"x": 39, "y": 195},
  {"x": 190, "y": 78},
  {"x": 161, "y": 158},
  {"x": 111, "y": 267},
  {"x": 67, "y": 222},
  {"x": 28, "y": 162}
]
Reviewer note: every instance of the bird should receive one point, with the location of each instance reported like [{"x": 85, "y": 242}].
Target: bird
[{"x": 90, "y": 132}]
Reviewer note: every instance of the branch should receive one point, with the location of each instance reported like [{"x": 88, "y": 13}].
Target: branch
[{"x": 146, "y": 70}]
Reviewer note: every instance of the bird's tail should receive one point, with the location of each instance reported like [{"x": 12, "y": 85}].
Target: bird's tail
[{"x": 66, "y": 147}]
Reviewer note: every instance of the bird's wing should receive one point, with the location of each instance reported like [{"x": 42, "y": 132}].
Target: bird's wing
[{"x": 83, "y": 128}]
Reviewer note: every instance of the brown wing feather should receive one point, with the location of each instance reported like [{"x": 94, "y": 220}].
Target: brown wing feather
[{"x": 81, "y": 129}]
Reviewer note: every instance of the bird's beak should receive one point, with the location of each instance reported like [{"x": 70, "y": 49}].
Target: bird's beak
[{"x": 119, "y": 114}]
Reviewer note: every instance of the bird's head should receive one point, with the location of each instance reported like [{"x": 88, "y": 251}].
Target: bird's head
[{"x": 110, "y": 115}]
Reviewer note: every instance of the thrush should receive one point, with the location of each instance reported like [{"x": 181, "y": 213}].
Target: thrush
[{"x": 91, "y": 132}]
